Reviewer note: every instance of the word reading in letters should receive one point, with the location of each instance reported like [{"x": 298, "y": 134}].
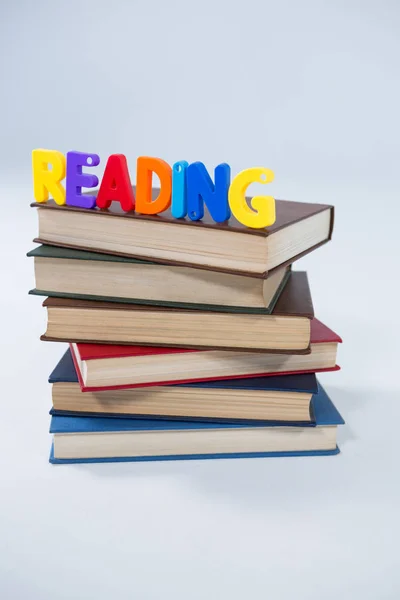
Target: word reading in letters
[{"x": 184, "y": 187}]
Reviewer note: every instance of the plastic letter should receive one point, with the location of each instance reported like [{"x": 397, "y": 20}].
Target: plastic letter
[
  {"x": 116, "y": 184},
  {"x": 262, "y": 211},
  {"x": 146, "y": 165},
  {"x": 200, "y": 190},
  {"x": 48, "y": 181},
  {"x": 179, "y": 192},
  {"x": 76, "y": 180}
]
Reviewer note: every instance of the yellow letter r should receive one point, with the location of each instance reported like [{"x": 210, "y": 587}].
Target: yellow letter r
[{"x": 47, "y": 181}]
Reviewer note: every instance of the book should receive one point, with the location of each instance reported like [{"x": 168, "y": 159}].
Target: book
[
  {"x": 279, "y": 398},
  {"x": 228, "y": 247},
  {"x": 66, "y": 273},
  {"x": 287, "y": 328},
  {"x": 101, "y": 439},
  {"x": 107, "y": 367}
]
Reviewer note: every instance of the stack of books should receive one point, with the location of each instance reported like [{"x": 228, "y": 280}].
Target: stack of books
[{"x": 186, "y": 339}]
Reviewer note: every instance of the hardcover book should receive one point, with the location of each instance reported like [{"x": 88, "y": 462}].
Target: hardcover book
[
  {"x": 95, "y": 439},
  {"x": 228, "y": 247},
  {"x": 279, "y": 398},
  {"x": 66, "y": 273},
  {"x": 107, "y": 367},
  {"x": 287, "y": 329}
]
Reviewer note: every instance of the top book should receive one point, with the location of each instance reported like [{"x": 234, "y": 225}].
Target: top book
[{"x": 228, "y": 247}]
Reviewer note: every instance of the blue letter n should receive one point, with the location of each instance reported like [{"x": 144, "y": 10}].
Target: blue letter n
[{"x": 201, "y": 190}]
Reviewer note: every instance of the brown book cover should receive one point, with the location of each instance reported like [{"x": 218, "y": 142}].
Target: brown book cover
[
  {"x": 294, "y": 301},
  {"x": 287, "y": 213}
]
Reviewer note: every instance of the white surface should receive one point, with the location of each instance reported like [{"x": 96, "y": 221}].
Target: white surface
[{"x": 310, "y": 90}]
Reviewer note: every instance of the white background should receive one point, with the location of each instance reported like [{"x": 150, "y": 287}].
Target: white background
[{"x": 310, "y": 90}]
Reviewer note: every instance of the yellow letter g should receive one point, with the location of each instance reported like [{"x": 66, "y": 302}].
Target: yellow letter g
[{"x": 262, "y": 211}]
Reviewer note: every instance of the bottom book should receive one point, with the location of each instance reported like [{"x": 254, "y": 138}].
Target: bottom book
[{"x": 102, "y": 439}]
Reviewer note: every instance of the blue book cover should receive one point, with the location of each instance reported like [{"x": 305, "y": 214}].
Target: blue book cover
[
  {"x": 70, "y": 461},
  {"x": 324, "y": 411},
  {"x": 251, "y": 422},
  {"x": 300, "y": 382}
]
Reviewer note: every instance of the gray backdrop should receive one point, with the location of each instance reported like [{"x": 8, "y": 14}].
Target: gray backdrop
[{"x": 311, "y": 90}]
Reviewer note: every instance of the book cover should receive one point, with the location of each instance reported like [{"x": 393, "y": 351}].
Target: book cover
[
  {"x": 45, "y": 251},
  {"x": 66, "y": 372},
  {"x": 294, "y": 301},
  {"x": 69, "y": 461},
  {"x": 248, "y": 421},
  {"x": 325, "y": 414},
  {"x": 320, "y": 333},
  {"x": 288, "y": 213}
]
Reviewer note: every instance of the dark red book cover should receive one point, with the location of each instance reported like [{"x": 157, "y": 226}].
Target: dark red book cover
[{"x": 320, "y": 333}]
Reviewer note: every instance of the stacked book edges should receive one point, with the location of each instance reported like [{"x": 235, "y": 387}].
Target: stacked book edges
[
  {"x": 186, "y": 339},
  {"x": 91, "y": 439}
]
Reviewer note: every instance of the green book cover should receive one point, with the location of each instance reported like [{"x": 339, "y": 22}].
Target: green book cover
[
  {"x": 45, "y": 251},
  {"x": 57, "y": 252}
]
